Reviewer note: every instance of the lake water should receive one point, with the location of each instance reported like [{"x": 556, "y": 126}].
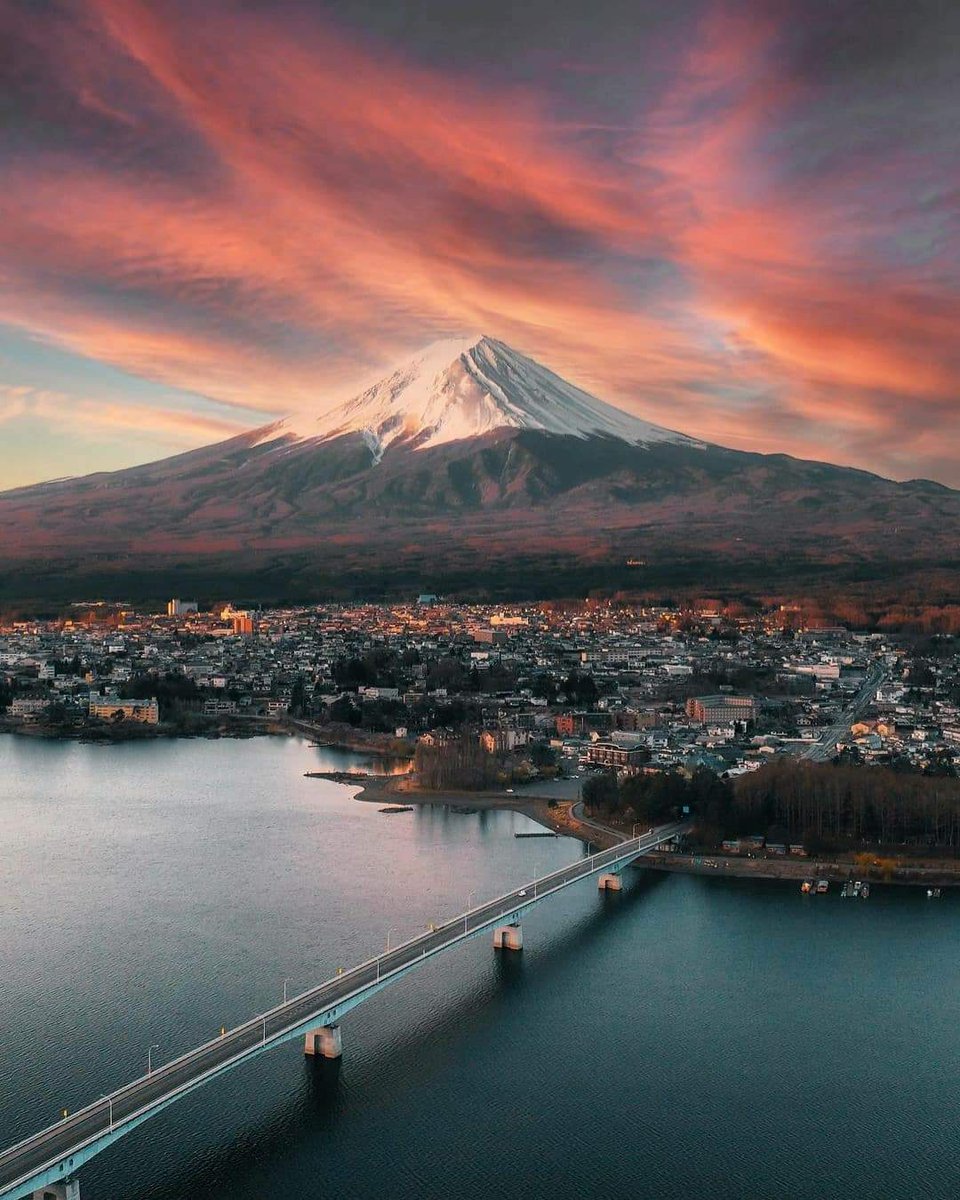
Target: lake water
[{"x": 686, "y": 1037}]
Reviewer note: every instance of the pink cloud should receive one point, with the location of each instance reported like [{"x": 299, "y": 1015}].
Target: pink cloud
[{"x": 338, "y": 205}]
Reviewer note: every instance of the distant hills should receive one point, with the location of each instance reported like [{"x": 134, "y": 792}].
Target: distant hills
[{"x": 470, "y": 469}]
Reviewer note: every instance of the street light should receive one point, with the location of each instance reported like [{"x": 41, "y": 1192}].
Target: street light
[
  {"x": 109, "y": 1100},
  {"x": 285, "y": 982},
  {"x": 469, "y": 903},
  {"x": 150, "y": 1050},
  {"x": 389, "y": 931}
]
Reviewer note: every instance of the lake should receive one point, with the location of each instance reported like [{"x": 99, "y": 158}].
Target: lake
[{"x": 686, "y": 1037}]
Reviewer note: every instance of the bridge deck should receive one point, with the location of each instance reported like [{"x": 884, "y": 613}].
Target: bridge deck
[{"x": 57, "y": 1151}]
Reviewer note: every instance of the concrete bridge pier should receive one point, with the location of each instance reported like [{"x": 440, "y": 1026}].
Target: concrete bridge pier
[
  {"x": 508, "y": 937},
  {"x": 610, "y": 882},
  {"x": 69, "y": 1190},
  {"x": 324, "y": 1042}
]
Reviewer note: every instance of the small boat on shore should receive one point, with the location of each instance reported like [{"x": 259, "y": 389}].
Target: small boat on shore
[
  {"x": 933, "y": 893},
  {"x": 864, "y": 890},
  {"x": 823, "y": 886},
  {"x": 396, "y": 808},
  {"x": 807, "y": 886}
]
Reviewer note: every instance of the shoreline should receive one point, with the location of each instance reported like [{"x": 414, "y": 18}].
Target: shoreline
[
  {"x": 555, "y": 815},
  {"x": 136, "y": 731},
  {"x": 835, "y": 871},
  {"x": 345, "y": 737},
  {"x": 561, "y": 819},
  {"x": 233, "y": 725}
]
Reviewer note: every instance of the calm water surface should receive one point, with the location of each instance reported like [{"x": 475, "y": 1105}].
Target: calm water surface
[{"x": 688, "y": 1037}]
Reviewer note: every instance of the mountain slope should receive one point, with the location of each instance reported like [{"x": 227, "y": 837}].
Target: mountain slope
[{"x": 471, "y": 466}]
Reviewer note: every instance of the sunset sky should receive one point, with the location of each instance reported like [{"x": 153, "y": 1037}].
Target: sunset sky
[{"x": 741, "y": 221}]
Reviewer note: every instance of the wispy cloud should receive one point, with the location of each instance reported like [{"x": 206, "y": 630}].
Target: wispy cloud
[
  {"x": 261, "y": 210},
  {"x": 87, "y": 418}
]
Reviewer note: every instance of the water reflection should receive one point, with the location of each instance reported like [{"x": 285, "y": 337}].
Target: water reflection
[{"x": 685, "y": 1036}]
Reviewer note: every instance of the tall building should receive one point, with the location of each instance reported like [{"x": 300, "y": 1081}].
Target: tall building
[
  {"x": 244, "y": 623},
  {"x": 177, "y": 608}
]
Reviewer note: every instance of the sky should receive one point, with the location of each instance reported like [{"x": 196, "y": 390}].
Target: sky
[{"x": 737, "y": 220}]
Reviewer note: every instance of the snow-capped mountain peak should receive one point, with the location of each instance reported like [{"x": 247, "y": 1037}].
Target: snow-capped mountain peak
[{"x": 467, "y": 387}]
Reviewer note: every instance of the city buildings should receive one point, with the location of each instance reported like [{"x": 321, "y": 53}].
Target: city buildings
[{"x": 683, "y": 688}]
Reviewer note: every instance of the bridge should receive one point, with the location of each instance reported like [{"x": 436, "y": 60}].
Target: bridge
[{"x": 45, "y": 1166}]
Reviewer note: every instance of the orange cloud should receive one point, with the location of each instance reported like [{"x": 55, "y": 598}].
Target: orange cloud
[
  {"x": 262, "y": 210},
  {"x": 357, "y": 201},
  {"x": 838, "y": 340}
]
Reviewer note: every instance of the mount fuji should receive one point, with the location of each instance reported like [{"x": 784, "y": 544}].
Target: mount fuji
[
  {"x": 470, "y": 387},
  {"x": 468, "y": 468}
]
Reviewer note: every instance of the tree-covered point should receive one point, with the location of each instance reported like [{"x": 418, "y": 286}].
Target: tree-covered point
[
  {"x": 459, "y": 763},
  {"x": 657, "y": 796},
  {"x": 172, "y": 689}
]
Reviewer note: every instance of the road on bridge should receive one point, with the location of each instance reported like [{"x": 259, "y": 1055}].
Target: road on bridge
[{"x": 56, "y": 1144}]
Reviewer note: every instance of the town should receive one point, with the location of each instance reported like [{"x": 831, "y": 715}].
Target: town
[{"x": 615, "y": 686}]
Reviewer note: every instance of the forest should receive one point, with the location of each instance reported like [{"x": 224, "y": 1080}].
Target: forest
[
  {"x": 822, "y": 806},
  {"x": 457, "y": 762},
  {"x": 849, "y": 804}
]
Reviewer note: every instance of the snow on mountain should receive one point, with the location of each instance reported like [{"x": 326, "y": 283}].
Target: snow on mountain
[{"x": 463, "y": 388}]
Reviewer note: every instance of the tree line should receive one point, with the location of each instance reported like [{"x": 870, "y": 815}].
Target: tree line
[
  {"x": 820, "y": 805},
  {"x": 840, "y": 803}
]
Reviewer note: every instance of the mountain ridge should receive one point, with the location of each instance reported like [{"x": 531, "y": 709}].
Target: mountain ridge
[{"x": 530, "y": 479}]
